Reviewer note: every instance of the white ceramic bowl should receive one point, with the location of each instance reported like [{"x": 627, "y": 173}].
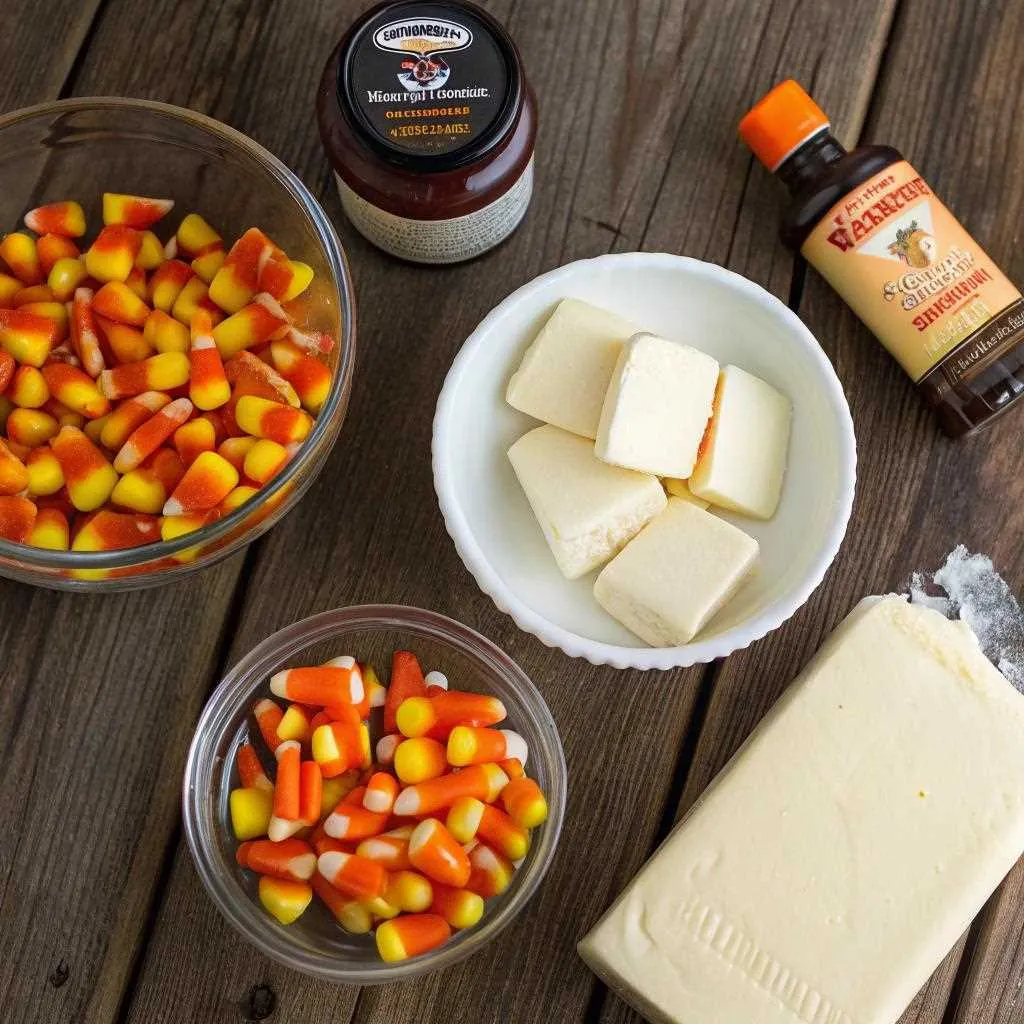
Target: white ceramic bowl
[{"x": 724, "y": 314}]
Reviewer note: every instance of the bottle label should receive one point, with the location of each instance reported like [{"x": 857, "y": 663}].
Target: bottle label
[
  {"x": 909, "y": 270},
  {"x": 440, "y": 241}
]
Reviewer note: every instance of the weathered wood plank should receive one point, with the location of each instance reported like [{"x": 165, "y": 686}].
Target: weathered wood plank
[{"x": 919, "y": 494}]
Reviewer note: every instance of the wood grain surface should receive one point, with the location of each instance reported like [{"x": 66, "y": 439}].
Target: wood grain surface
[{"x": 102, "y": 917}]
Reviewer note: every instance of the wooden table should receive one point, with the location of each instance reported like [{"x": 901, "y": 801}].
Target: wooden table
[{"x": 102, "y": 917}]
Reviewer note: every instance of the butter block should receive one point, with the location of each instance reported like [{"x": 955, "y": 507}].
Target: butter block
[
  {"x": 681, "y": 568},
  {"x": 830, "y": 866},
  {"x": 657, "y": 407},
  {"x": 565, "y": 373},
  {"x": 744, "y": 457},
  {"x": 586, "y": 508},
  {"x": 681, "y": 489}
]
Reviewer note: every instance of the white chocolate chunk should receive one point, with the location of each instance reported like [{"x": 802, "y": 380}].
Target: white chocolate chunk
[
  {"x": 681, "y": 568},
  {"x": 681, "y": 489},
  {"x": 657, "y": 407},
  {"x": 586, "y": 508},
  {"x": 831, "y": 865},
  {"x": 564, "y": 375},
  {"x": 744, "y": 457}
]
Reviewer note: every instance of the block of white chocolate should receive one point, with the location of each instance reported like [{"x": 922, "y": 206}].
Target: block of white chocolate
[
  {"x": 564, "y": 375},
  {"x": 657, "y": 406},
  {"x": 586, "y": 508},
  {"x": 828, "y": 869},
  {"x": 681, "y": 489},
  {"x": 743, "y": 460},
  {"x": 672, "y": 578}
]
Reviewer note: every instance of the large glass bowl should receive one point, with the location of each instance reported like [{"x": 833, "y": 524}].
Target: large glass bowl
[
  {"x": 315, "y": 944},
  {"x": 77, "y": 149}
]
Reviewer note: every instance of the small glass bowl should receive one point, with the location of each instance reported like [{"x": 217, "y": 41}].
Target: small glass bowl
[
  {"x": 79, "y": 148},
  {"x": 316, "y": 944}
]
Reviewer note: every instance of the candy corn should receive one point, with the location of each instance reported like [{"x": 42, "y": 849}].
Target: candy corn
[
  {"x": 14, "y": 475},
  {"x": 250, "y": 809},
  {"x": 469, "y": 745},
  {"x": 66, "y": 219},
  {"x": 162, "y": 372},
  {"x": 17, "y": 518},
  {"x": 31, "y": 427},
  {"x": 112, "y": 256},
  {"x": 287, "y": 783},
  {"x": 75, "y": 389},
  {"x": 391, "y": 849},
  {"x": 27, "y": 336},
  {"x": 354, "y": 822},
  {"x": 193, "y": 438},
  {"x": 491, "y": 872},
  {"x": 310, "y": 378},
  {"x": 250, "y": 769},
  {"x": 18, "y": 251},
  {"x": 483, "y": 781},
  {"x": 151, "y": 434},
  {"x": 249, "y": 375},
  {"x": 236, "y": 283},
  {"x": 208, "y": 386},
  {"x": 88, "y": 476},
  {"x": 116, "y": 301},
  {"x": 409, "y": 892},
  {"x": 268, "y": 716},
  {"x": 349, "y": 913},
  {"x": 45, "y": 477},
  {"x": 283, "y": 900},
  {"x": 165, "y": 334},
  {"x": 263, "y": 418},
  {"x": 323, "y": 685},
  {"x": 251, "y": 325},
  {"x": 50, "y": 530},
  {"x": 52, "y": 249},
  {"x": 357, "y": 877},
  {"x": 411, "y": 935},
  {"x": 167, "y": 283},
  {"x": 525, "y": 803},
  {"x": 438, "y": 715},
  {"x": 108, "y": 531},
  {"x": 420, "y": 759},
  {"x": 84, "y": 337},
  {"x": 137, "y": 212},
  {"x": 381, "y": 790},
  {"x": 435, "y": 851}
]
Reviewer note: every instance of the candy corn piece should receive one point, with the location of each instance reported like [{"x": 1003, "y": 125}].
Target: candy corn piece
[
  {"x": 381, "y": 790},
  {"x": 323, "y": 685},
  {"x": 409, "y": 892},
  {"x": 236, "y": 283},
  {"x": 17, "y": 518},
  {"x": 438, "y": 715},
  {"x": 195, "y": 237},
  {"x": 31, "y": 427},
  {"x": 208, "y": 386},
  {"x": 165, "y": 334},
  {"x": 464, "y": 817},
  {"x": 172, "y": 527},
  {"x": 129, "y": 415},
  {"x": 250, "y": 769},
  {"x": 191, "y": 299},
  {"x": 237, "y": 498},
  {"x": 470, "y": 745},
  {"x": 84, "y": 337},
  {"x": 27, "y": 387},
  {"x": 525, "y": 803},
  {"x": 459, "y": 907},
  {"x": 387, "y": 747},
  {"x": 287, "y": 784},
  {"x": 501, "y": 832},
  {"x": 420, "y": 759},
  {"x": 483, "y": 781},
  {"x": 411, "y": 935},
  {"x": 435, "y": 851},
  {"x": 354, "y": 822},
  {"x": 251, "y": 325},
  {"x": 167, "y": 282},
  {"x": 108, "y": 531},
  {"x": 512, "y": 767},
  {"x": 18, "y": 251},
  {"x": 112, "y": 256},
  {"x": 141, "y": 491},
  {"x": 116, "y": 301},
  {"x": 291, "y": 859},
  {"x": 491, "y": 872},
  {"x": 45, "y": 477},
  {"x": 193, "y": 438},
  {"x": 151, "y": 254},
  {"x": 66, "y": 219},
  {"x": 50, "y": 530},
  {"x": 265, "y": 460},
  {"x": 137, "y": 212},
  {"x": 66, "y": 275},
  {"x": 27, "y": 336},
  {"x": 162, "y": 372},
  {"x": 284, "y": 901},
  {"x": 88, "y": 476},
  {"x": 145, "y": 439},
  {"x": 391, "y": 849},
  {"x": 9, "y": 287},
  {"x": 295, "y": 724},
  {"x": 52, "y": 249},
  {"x": 349, "y": 913},
  {"x": 250, "y": 810},
  {"x": 14, "y": 475},
  {"x": 75, "y": 389},
  {"x": 353, "y": 875},
  {"x": 310, "y": 377},
  {"x": 406, "y": 681},
  {"x": 337, "y": 746},
  {"x": 235, "y": 449},
  {"x": 268, "y": 717}
]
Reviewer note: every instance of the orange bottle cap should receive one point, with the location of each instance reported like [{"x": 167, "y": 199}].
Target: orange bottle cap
[{"x": 780, "y": 122}]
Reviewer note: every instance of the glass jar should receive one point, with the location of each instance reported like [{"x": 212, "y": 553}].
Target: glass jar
[{"x": 429, "y": 123}]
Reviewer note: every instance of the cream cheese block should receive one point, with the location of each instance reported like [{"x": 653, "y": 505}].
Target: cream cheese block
[
  {"x": 835, "y": 860},
  {"x": 586, "y": 508},
  {"x": 743, "y": 460},
  {"x": 657, "y": 407},
  {"x": 565, "y": 373},
  {"x": 678, "y": 571},
  {"x": 681, "y": 489}
]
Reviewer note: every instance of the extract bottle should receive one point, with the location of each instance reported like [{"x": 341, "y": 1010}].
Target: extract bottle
[{"x": 872, "y": 227}]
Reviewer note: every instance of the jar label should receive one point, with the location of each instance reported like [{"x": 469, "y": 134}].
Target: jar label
[
  {"x": 440, "y": 241},
  {"x": 908, "y": 268},
  {"x": 427, "y": 85}
]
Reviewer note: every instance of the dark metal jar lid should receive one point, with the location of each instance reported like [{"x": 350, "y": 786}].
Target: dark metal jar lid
[{"x": 430, "y": 85}]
